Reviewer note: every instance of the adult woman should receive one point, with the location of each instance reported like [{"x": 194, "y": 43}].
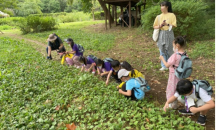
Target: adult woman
[
  {"x": 165, "y": 22},
  {"x": 75, "y": 50}
]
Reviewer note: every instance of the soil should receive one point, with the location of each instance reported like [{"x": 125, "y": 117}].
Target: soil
[{"x": 131, "y": 46}]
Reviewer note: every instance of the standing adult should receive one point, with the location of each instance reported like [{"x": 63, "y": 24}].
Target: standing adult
[
  {"x": 54, "y": 43},
  {"x": 75, "y": 50},
  {"x": 166, "y": 21}
]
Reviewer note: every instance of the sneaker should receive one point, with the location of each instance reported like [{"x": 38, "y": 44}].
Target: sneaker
[
  {"x": 163, "y": 69},
  {"x": 49, "y": 57},
  {"x": 201, "y": 120},
  {"x": 184, "y": 112},
  {"x": 93, "y": 72},
  {"x": 77, "y": 67}
]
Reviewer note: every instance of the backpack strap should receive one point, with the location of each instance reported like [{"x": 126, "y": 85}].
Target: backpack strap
[{"x": 195, "y": 83}]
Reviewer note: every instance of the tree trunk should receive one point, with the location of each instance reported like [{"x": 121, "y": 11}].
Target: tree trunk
[{"x": 103, "y": 5}]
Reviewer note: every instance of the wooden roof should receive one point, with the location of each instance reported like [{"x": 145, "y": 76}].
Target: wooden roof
[{"x": 122, "y": 3}]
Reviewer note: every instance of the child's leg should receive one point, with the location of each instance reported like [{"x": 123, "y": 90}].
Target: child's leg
[
  {"x": 76, "y": 61},
  {"x": 202, "y": 118},
  {"x": 190, "y": 103},
  {"x": 69, "y": 61}
]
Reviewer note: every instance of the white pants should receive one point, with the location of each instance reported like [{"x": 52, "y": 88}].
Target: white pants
[{"x": 191, "y": 101}]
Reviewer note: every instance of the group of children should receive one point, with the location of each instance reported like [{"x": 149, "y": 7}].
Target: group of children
[{"x": 195, "y": 98}]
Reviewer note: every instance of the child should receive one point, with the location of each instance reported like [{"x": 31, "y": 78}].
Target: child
[
  {"x": 133, "y": 72},
  {"x": 75, "y": 60},
  {"x": 187, "y": 90},
  {"x": 88, "y": 64},
  {"x": 103, "y": 68},
  {"x": 131, "y": 87},
  {"x": 173, "y": 61},
  {"x": 115, "y": 64}
]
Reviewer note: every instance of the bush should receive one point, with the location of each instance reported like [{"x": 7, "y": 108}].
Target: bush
[
  {"x": 49, "y": 14},
  {"x": 37, "y": 24},
  {"x": 97, "y": 15},
  {"x": 73, "y": 17},
  {"x": 11, "y": 21},
  {"x": 190, "y": 19}
]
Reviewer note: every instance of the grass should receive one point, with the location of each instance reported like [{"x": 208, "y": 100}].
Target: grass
[
  {"x": 73, "y": 17},
  {"x": 41, "y": 94}
]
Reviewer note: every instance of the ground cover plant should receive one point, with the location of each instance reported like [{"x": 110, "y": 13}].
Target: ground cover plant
[{"x": 40, "y": 94}]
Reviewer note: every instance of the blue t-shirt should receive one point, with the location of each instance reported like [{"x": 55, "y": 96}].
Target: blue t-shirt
[{"x": 132, "y": 83}]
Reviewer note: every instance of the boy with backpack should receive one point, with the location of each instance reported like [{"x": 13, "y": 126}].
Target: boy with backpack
[
  {"x": 196, "y": 96},
  {"x": 131, "y": 88}
]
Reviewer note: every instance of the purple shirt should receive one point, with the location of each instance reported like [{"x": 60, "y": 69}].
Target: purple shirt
[
  {"x": 90, "y": 60},
  {"x": 107, "y": 66},
  {"x": 75, "y": 48}
]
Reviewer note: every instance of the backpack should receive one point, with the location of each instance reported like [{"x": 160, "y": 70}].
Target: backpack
[
  {"x": 143, "y": 84},
  {"x": 80, "y": 48},
  {"x": 202, "y": 84},
  {"x": 92, "y": 57},
  {"x": 184, "y": 69},
  {"x": 108, "y": 60}
]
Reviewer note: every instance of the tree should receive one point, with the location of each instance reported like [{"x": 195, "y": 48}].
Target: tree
[{"x": 8, "y": 4}]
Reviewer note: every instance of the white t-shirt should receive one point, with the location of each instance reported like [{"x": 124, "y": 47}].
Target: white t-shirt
[{"x": 202, "y": 94}]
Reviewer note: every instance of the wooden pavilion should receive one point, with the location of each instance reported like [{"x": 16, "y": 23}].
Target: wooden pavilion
[{"x": 123, "y": 4}]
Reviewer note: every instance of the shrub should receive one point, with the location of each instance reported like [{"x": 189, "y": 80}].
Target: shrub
[
  {"x": 37, "y": 24},
  {"x": 73, "y": 17},
  {"x": 97, "y": 15},
  {"x": 190, "y": 19},
  {"x": 11, "y": 21}
]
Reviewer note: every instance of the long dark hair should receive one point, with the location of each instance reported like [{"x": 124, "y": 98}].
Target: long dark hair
[
  {"x": 83, "y": 60},
  {"x": 167, "y": 4},
  {"x": 128, "y": 67},
  {"x": 71, "y": 42}
]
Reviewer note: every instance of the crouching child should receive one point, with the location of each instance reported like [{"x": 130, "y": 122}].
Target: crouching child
[{"x": 196, "y": 96}]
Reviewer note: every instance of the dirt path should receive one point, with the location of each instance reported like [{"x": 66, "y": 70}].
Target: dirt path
[{"x": 142, "y": 53}]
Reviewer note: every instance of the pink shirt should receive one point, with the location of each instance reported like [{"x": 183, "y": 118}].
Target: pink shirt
[{"x": 174, "y": 60}]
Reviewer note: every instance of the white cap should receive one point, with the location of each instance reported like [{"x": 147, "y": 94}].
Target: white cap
[{"x": 123, "y": 72}]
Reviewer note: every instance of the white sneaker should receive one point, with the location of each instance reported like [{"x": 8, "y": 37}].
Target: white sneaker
[
  {"x": 77, "y": 67},
  {"x": 163, "y": 69},
  {"x": 93, "y": 72}
]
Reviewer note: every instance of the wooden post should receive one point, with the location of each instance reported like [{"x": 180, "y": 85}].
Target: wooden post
[
  {"x": 136, "y": 18},
  {"x": 109, "y": 12},
  {"x": 105, "y": 18},
  {"x": 130, "y": 14},
  {"x": 115, "y": 11},
  {"x": 122, "y": 24}
]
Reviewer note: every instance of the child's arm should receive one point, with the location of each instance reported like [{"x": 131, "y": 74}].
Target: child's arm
[
  {"x": 104, "y": 73},
  {"x": 91, "y": 67},
  {"x": 209, "y": 105},
  {"x": 172, "y": 99},
  {"x": 82, "y": 68},
  {"x": 128, "y": 93},
  {"x": 70, "y": 52},
  {"x": 163, "y": 60},
  {"x": 98, "y": 71},
  {"x": 108, "y": 77}
]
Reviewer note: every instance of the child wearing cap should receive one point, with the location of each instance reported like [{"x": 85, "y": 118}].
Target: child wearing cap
[
  {"x": 131, "y": 87},
  {"x": 75, "y": 60}
]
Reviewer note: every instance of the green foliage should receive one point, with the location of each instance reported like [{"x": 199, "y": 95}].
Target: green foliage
[
  {"x": 203, "y": 49},
  {"x": 7, "y": 4},
  {"x": 5, "y": 27},
  {"x": 191, "y": 19},
  {"x": 9, "y": 11},
  {"x": 54, "y": 6},
  {"x": 36, "y": 24},
  {"x": 73, "y": 17},
  {"x": 11, "y": 21},
  {"x": 32, "y": 88},
  {"x": 97, "y": 15},
  {"x": 28, "y": 7},
  {"x": 49, "y": 14}
]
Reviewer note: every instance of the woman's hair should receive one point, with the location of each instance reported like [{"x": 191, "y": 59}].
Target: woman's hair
[
  {"x": 127, "y": 66},
  {"x": 71, "y": 42},
  {"x": 180, "y": 40},
  {"x": 184, "y": 86},
  {"x": 83, "y": 60},
  {"x": 167, "y": 4}
]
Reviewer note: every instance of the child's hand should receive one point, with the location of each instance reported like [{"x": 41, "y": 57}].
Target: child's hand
[
  {"x": 120, "y": 91},
  {"x": 118, "y": 87},
  {"x": 166, "y": 106},
  {"x": 107, "y": 82},
  {"x": 161, "y": 57},
  {"x": 194, "y": 110},
  {"x": 102, "y": 74}
]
